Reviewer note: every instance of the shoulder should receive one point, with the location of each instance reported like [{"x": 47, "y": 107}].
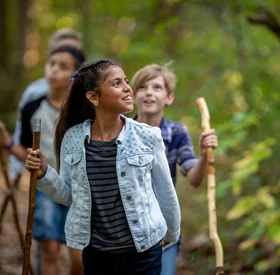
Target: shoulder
[
  {"x": 176, "y": 127},
  {"x": 40, "y": 83},
  {"x": 74, "y": 132},
  {"x": 141, "y": 128},
  {"x": 33, "y": 105},
  {"x": 33, "y": 91}
]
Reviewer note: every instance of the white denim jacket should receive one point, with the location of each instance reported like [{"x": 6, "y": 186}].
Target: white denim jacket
[{"x": 149, "y": 198}]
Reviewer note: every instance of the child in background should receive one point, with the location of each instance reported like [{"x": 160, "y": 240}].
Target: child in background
[
  {"x": 40, "y": 87},
  {"x": 113, "y": 173},
  {"x": 49, "y": 217},
  {"x": 153, "y": 87}
]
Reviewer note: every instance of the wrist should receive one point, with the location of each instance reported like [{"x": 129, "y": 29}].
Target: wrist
[{"x": 8, "y": 146}]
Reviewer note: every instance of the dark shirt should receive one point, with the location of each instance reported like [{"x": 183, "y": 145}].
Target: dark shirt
[{"x": 109, "y": 227}]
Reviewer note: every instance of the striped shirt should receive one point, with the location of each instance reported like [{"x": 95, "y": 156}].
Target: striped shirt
[{"x": 109, "y": 227}]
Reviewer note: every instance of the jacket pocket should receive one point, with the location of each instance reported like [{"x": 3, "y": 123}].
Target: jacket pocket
[
  {"x": 73, "y": 160},
  {"x": 140, "y": 166},
  {"x": 141, "y": 160}
]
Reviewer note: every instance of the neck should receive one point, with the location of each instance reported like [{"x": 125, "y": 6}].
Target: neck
[
  {"x": 57, "y": 97},
  {"x": 152, "y": 120},
  {"x": 106, "y": 127}
]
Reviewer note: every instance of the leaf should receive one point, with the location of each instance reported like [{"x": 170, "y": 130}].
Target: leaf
[{"x": 242, "y": 207}]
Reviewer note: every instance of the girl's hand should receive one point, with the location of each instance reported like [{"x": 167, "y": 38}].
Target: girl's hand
[
  {"x": 207, "y": 139},
  {"x": 36, "y": 161}
]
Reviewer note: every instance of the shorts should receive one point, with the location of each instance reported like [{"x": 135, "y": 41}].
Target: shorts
[{"x": 49, "y": 219}]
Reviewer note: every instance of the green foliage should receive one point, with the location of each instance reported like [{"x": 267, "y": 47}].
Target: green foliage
[{"x": 217, "y": 54}]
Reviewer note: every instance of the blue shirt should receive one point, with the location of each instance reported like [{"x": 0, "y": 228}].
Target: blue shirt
[{"x": 179, "y": 147}]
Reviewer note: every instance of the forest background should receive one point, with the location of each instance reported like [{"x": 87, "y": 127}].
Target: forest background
[{"x": 225, "y": 51}]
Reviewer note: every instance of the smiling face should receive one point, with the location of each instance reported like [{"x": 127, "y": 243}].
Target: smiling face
[
  {"x": 115, "y": 94},
  {"x": 151, "y": 97}
]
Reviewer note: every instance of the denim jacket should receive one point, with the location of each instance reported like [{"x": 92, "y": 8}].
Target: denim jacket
[{"x": 149, "y": 198}]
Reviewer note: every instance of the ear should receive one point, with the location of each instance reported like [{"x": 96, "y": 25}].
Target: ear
[
  {"x": 91, "y": 96},
  {"x": 170, "y": 99}
]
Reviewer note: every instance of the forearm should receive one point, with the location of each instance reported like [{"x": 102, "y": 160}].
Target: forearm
[
  {"x": 19, "y": 152},
  {"x": 15, "y": 149},
  {"x": 197, "y": 173},
  {"x": 55, "y": 187}
]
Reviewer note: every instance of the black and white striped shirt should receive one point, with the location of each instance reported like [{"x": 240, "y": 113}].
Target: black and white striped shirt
[{"x": 109, "y": 227}]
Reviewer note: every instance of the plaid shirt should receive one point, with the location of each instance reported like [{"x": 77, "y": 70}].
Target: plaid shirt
[{"x": 179, "y": 147}]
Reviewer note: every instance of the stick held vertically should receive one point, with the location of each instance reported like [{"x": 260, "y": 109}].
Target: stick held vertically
[
  {"x": 32, "y": 199},
  {"x": 211, "y": 194}
]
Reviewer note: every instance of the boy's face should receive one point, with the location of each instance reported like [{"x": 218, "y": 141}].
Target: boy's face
[
  {"x": 152, "y": 97},
  {"x": 58, "y": 70}
]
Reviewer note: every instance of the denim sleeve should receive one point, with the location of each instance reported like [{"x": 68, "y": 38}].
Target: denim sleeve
[
  {"x": 186, "y": 155},
  {"x": 165, "y": 191},
  {"x": 57, "y": 186},
  {"x": 33, "y": 91}
]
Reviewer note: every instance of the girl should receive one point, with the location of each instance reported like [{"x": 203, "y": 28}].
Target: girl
[
  {"x": 154, "y": 87},
  {"x": 50, "y": 217},
  {"x": 113, "y": 173}
]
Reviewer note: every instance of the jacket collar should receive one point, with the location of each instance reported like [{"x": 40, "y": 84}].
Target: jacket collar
[{"x": 120, "y": 138}]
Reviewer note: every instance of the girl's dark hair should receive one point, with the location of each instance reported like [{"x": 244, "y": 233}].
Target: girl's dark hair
[
  {"x": 76, "y": 109},
  {"x": 78, "y": 54}
]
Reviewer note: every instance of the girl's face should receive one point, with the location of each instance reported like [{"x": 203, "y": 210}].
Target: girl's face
[
  {"x": 152, "y": 97},
  {"x": 58, "y": 70},
  {"x": 115, "y": 93}
]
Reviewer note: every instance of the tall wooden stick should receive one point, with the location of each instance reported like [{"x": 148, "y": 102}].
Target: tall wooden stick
[
  {"x": 4, "y": 166},
  {"x": 211, "y": 195},
  {"x": 32, "y": 199}
]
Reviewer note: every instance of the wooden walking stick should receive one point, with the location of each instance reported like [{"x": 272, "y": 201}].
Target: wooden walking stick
[
  {"x": 211, "y": 195},
  {"x": 32, "y": 197},
  {"x": 4, "y": 166}
]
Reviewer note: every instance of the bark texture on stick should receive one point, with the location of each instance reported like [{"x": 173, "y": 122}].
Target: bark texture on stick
[
  {"x": 211, "y": 195},
  {"x": 32, "y": 199}
]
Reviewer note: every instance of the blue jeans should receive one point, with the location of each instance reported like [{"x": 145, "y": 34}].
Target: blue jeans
[
  {"x": 169, "y": 257},
  {"x": 102, "y": 263}
]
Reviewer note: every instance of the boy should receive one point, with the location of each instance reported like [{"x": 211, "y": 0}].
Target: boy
[
  {"x": 153, "y": 87},
  {"x": 40, "y": 87},
  {"x": 49, "y": 216}
]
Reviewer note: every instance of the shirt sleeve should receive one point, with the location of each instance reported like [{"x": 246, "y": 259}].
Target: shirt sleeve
[
  {"x": 165, "y": 191},
  {"x": 57, "y": 186},
  {"x": 186, "y": 156}
]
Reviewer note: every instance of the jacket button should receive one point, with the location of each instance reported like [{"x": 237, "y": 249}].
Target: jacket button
[
  {"x": 128, "y": 198},
  {"x": 134, "y": 222},
  {"x": 123, "y": 173},
  {"x": 142, "y": 246}
]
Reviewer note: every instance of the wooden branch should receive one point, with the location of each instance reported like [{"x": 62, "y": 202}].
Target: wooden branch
[
  {"x": 32, "y": 200},
  {"x": 10, "y": 196},
  {"x": 211, "y": 195},
  {"x": 266, "y": 18},
  {"x": 4, "y": 166},
  {"x": 6, "y": 201}
]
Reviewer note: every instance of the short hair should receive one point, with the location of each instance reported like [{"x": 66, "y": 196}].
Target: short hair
[
  {"x": 153, "y": 71},
  {"x": 61, "y": 34},
  {"x": 78, "y": 54}
]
